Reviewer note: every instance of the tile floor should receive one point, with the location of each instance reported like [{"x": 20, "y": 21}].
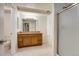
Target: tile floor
[{"x": 35, "y": 51}]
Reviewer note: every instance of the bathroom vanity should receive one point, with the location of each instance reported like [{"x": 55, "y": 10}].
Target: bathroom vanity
[{"x": 26, "y": 39}]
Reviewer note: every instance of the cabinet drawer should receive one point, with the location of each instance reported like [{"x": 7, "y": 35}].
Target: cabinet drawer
[
  {"x": 27, "y": 41},
  {"x": 34, "y": 41},
  {"x": 20, "y": 39}
]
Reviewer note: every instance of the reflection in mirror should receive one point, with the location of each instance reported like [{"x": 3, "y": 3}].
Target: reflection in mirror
[
  {"x": 29, "y": 25},
  {"x": 25, "y": 27}
]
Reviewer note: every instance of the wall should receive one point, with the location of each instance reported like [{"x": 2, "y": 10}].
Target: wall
[
  {"x": 7, "y": 23},
  {"x": 33, "y": 26},
  {"x": 19, "y": 24},
  {"x": 1, "y": 22},
  {"x": 41, "y": 26},
  {"x": 50, "y": 29}
]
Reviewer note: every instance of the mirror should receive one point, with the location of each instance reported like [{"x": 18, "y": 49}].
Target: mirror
[{"x": 29, "y": 25}]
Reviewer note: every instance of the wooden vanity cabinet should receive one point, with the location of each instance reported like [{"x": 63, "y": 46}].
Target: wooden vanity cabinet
[{"x": 32, "y": 39}]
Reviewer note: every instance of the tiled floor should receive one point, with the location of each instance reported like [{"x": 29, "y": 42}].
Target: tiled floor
[{"x": 35, "y": 51}]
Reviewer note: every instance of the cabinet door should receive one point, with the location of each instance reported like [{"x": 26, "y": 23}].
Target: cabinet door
[
  {"x": 40, "y": 39},
  {"x": 27, "y": 41},
  {"x": 20, "y": 43},
  {"x": 34, "y": 40}
]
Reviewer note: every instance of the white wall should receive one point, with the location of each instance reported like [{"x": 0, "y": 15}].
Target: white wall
[
  {"x": 1, "y": 22},
  {"x": 50, "y": 27},
  {"x": 19, "y": 24},
  {"x": 51, "y": 30},
  {"x": 32, "y": 26},
  {"x": 7, "y": 23},
  {"x": 41, "y": 26}
]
